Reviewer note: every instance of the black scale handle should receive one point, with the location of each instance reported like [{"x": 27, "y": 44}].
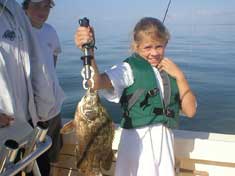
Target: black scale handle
[{"x": 86, "y": 58}]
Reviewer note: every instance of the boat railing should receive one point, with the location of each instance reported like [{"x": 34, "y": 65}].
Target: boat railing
[{"x": 33, "y": 145}]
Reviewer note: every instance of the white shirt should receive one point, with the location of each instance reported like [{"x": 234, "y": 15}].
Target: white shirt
[
  {"x": 26, "y": 87},
  {"x": 121, "y": 77},
  {"x": 11, "y": 63},
  {"x": 50, "y": 46}
]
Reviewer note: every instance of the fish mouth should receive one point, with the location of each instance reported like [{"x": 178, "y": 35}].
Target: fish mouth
[
  {"x": 89, "y": 107},
  {"x": 89, "y": 111},
  {"x": 91, "y": 98},
  {"x": 90, "y": 114}
]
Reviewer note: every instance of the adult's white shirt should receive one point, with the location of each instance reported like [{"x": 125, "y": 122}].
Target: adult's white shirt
[
  {"x": 51, "y": 48},
  {"x": 26, "y": 87}
]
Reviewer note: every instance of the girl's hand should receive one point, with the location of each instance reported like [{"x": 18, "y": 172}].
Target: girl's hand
[
  {"x": 83, "y": 36},
  {"x": 171, "y": 68},
  {"x": 5, "y": 120},
  {"x": 187, "y": 98}
]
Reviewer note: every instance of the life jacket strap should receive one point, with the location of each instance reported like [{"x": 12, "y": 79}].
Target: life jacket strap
[
  {"x": 168, "y": 112},
  {"x": 132, "y": 98},
  {"x": 150, "y": 93},
  {"x": 167, "y": 87}
]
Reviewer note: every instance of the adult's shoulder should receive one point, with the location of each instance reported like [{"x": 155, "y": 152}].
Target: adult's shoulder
[
  {"x": 49, "y": 27},
  {"x": 50, "y": 33},
  {"x": 17, "y": 15},
  {"x": 11, "y": 5},
  {"x": 14, "y": 8}
]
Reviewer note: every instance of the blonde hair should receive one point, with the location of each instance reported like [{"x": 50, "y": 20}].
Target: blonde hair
[{"x": 151, "y": 27}]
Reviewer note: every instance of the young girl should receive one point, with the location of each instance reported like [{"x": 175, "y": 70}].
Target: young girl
[{"x": 151, "y": 89}]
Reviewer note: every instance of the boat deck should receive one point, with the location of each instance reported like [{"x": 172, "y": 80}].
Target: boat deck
[{"x": 197, "y": 154}]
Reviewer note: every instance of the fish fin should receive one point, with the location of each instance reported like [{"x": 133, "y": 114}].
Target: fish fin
[
  {"x": 69, "y": 127},
  {"x": 107, "y": 167}
]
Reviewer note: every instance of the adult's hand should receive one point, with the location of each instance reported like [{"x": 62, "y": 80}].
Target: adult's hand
[{"x": 5, "y": 120}]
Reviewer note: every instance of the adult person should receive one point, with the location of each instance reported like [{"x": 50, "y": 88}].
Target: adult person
[
  {"x": 38, "y": 12},
  {"x": 152, "y": 90},
  {"x": 27, "y": 90}
]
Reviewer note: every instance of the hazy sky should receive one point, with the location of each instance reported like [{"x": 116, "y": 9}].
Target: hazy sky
[
  {"x": 119, "y": 13},
  {"x": 181, "y": 11}
]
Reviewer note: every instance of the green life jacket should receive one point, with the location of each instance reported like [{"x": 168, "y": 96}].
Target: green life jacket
[{"x": 142, "y": 104}]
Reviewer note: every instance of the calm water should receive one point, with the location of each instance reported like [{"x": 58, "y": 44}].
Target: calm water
[{"x": 206, "y": 53}]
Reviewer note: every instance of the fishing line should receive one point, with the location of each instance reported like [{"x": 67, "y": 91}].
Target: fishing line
[{"x": 169, "y": 3}]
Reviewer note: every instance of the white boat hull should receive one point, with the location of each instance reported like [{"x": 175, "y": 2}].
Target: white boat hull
[{"x": 196, "y": 153}]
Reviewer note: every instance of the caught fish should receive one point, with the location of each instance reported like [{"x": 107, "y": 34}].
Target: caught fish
[{"x": 95, "y": 133}]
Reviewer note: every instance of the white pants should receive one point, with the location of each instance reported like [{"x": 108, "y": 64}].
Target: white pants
[{"x": 146, "y": 151}]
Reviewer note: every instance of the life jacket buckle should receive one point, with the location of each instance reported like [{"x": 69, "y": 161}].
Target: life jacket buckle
[
  {"x": 158, "y": 111},
  {"x": 126, "y": 114},
  {"x": 153, "y": 92},
  {"x": 169, "y": 113}
]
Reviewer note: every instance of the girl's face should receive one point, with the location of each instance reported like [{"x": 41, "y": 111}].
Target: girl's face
[
  {"x": 38, "y": 12},
  {"x": 151, "y": 50}
]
